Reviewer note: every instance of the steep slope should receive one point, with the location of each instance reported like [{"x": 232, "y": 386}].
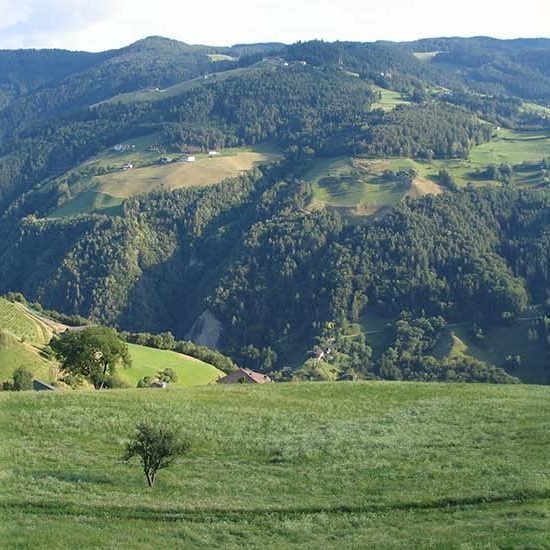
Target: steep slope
[
  {"x": 24, "y": 71},
  {"x": 266, "y": 256}
]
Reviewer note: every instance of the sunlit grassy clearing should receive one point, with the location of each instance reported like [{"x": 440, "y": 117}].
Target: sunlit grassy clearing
[{"x": 149, "y": 361}]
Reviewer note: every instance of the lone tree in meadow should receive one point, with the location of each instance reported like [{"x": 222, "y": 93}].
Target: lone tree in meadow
[
  {"x": 93, "y": 353},
  {"x": 157, "y": 446}
]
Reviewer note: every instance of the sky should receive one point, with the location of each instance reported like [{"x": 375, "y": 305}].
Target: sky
[{"x": 96, "y": 25}]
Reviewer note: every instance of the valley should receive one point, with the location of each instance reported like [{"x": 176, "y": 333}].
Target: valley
[
  {"x": 360, "y": 234},
  {"x": 289, "y": 191}
]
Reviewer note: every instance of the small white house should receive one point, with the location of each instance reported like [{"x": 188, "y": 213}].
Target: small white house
[
  {"x": 213, "y": 153},
  {"x": 127, "y": 166},
  {"x": 190, "y": 158}
]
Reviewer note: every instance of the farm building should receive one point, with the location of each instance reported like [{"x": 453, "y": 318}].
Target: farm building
[
  {"x": 38, "y": 385},
  {"x": 165, "y": 160},
  {"x": 190, "y": 158},
  {"x": 127, "y": 166},
  {"x": 119, "y": 147},
  {"x": 213, "y": 153},
  {"x": 158, "y": 384},
  {"x": 245, "y": 376}
]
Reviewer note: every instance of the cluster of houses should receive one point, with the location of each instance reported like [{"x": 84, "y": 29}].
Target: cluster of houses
[
  {"x": 164, "y": 159},
  {"x": 123, "y": 147}
]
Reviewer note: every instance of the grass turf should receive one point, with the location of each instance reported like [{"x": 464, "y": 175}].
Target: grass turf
[
  {"x": 387, "y": 465},
  {"x": 148, "y": 361},
  {"x": 356, "y": 187}
]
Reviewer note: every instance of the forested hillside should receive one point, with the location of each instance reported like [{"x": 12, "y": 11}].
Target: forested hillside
[{"x": 252, "y": 264}]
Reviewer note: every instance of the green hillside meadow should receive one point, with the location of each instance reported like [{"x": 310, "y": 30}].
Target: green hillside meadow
[
  {"x": 345, "y": 465},
  {"x": 23, "y": 336},
  {"x": 149, "y": 361}
]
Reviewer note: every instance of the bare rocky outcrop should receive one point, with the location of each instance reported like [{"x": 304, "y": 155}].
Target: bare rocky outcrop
[{"x": 206, "y": 330}]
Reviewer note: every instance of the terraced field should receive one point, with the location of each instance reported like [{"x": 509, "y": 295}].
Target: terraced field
[{"x": 17, "y": 320}]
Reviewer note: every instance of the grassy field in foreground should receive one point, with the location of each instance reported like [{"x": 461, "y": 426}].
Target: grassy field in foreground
[
  {"x": 386, "y": 465},
  {"x": 148, "y": 361}
]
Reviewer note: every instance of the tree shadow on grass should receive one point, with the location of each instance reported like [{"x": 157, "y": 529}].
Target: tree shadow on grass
[{"x": 75, "y": 477}]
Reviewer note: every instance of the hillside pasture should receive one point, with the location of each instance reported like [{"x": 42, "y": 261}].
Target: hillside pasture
[
  {"x": 105, "y": 192},
  {"x": 355, "y": 465},
  {"x": 361, "y": 187},
  {"x": 149, "y": 361},
  {"x": 523, "y": 150},
  {"x": 14, "y": 354},
  {"x": 425, "y": 56},
  {"x": 205, "y": 171},
  {"x": 389, "y": 99},
  {"x": 498, "y": 343},
  {"x": 220, "y": 57},
  {"x": 22, "y": 323},
  {"x": 158, "y": 94},
  {"x": 536, "y": 108}
]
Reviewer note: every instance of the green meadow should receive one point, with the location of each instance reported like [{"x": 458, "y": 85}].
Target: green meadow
[
  {"x": 156, "y": 94},
  {"x": 301, "y": 465},
  {"x": 357, "y": 187},
  {"x": 389, "y": 99},
  {"x": 24, "y": 335},
  {"x": 149, "y": 361},
  {"x": 515, "y": 148},
  {"x": 498, "y": 343},
  {"x": 100, "y": 184}
]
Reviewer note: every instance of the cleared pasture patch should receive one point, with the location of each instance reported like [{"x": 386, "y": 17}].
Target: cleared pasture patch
[
  {"x": 513, "y": 148},
  {"x": 361, "y": 187},
  {"x": 176, "y": 175},
  {"x": 158, "y": 94},
  {"x": 148, "y": 361},
  {"x": 389, "y": 99},
  {"x": 101, "y": 185},
  {"x": 498, "y": 343}
]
